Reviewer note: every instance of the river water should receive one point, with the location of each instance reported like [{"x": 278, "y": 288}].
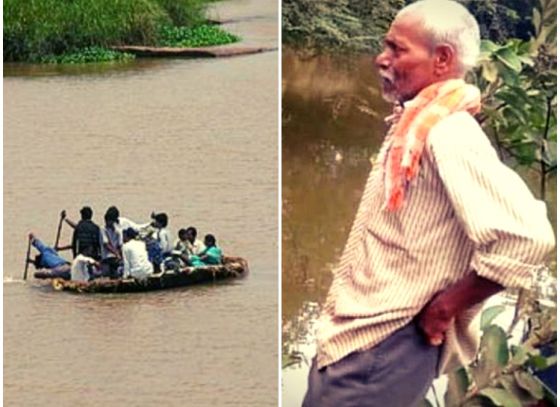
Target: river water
[
  {"x": 194, "y": 138},
  {"x": 332, "y": 124}
]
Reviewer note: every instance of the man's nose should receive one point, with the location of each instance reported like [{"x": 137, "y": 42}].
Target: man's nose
[{"x": 382, "y": 60}]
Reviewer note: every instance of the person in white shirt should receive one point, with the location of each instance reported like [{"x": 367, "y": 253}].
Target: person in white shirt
[
  {"x": 123, "y": 223},
  {"x": 111, "y": 244},
  {"x": 194, "y": 246},
  {"x": 84, "y": 267},
  {"x": 135, "y": 256},
  {"x": 162, "y": 234}
]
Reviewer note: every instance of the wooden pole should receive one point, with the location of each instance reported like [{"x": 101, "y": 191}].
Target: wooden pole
[
  {"x": 62, "y": 215},
  {"x": 27, "y": 259}
]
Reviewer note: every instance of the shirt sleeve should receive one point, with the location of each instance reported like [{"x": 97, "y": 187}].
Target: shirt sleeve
[
  {"x": 509, "y": 227},
  {"x": 126, "y": 261}
]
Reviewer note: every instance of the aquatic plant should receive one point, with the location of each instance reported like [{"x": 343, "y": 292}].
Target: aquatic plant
[
  {"x": 45, "y": 30},
  {"x": 199, "y": 36},
  {"x": 87, "y": 55}
]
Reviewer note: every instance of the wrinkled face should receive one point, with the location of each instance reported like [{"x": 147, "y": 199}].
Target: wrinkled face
[{"x": 406, "y": 65}]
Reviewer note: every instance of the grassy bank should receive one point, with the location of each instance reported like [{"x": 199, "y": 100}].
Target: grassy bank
[{"x": 82, "y": 30}]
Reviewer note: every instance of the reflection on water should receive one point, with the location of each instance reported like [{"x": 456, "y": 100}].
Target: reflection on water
[
  {"x": 195, "y": 138},
  {"x": 332, "y": 124}
]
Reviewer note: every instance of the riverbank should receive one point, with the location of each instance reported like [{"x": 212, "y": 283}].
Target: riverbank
[{"x": 83, "y": 31}]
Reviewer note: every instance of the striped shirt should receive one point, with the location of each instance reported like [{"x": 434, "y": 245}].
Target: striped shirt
[{"x": 464, "y": 211}]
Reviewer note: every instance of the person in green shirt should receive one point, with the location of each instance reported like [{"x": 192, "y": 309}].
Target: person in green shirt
[{"x": 212, "y": 255}]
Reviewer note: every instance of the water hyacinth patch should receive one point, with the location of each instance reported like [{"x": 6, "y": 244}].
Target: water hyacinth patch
[
  {"x": 199, "y": 36},
  {"x": 88, "y": 55}
]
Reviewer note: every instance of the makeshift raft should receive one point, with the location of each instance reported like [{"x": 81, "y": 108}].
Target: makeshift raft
[{"x": 233, "y": 267}]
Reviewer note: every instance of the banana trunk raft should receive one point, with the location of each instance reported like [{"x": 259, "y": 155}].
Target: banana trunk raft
[{"x": 233, "y": 267}]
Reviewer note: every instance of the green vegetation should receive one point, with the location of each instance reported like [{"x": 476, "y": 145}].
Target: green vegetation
[
  {"x": 199, "y": 36},
  {"x": 86, "y": 55},
  {"x": 359, "y": 25},
  {"x": 503, "y": 19},
  {"x": 66, "y": 31},
  {"x": 333, "y": 25},
  {"x": 500, "y": 375},
  {"x": 518, "y": 84}
]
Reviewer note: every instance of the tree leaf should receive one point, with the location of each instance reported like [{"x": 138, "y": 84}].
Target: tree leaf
[
  {"x": 488, "y": 46},
  {"x": 493, "y": 355},
  {"x": 509, "y": 76},
  {"x": 478, "y": 401},
  {"x": 489, "y": 314},
  {"x": 457, "y": 387},
  {"x": 501, "y": 397},
  {"x": 529, "y": 383},
  {"x": 520, "y": 356},
  {"x": 509, "y": 58},
  {"x": 509, "y": 383},
  {"x": 489, "y": 71},
  {"x": 536, "y": 18}
]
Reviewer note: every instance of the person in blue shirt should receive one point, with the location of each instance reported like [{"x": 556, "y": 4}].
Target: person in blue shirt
[
  {"x": 48, "y": 258},
  {"x": 212, "y": 255}
]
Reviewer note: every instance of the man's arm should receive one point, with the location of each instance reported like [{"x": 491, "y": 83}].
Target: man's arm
[
  {"x": 61, "y": 248},
  {"x": 507, "y": 225},
  {"x": 112, "y": 249},
  {"x": 437, "y": 315},
  {"x": 70, "y": 223}
]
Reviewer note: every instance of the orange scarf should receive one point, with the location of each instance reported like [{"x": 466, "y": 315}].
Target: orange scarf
[{"x": 408, "y": 138}]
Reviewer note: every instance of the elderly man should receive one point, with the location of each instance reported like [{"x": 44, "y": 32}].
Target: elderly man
[{"x": 442, "y": 225}]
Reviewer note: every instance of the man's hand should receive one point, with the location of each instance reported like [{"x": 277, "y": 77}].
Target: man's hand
[
  {"x": 63, "y": 214},
  {"x": 435, "y": 319},
  {"x": 31, "y": 236}
]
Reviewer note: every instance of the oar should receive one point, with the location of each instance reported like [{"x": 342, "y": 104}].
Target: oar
[
  {"x": 27, "y": 259},
  {"x": 62, "y": 216}
]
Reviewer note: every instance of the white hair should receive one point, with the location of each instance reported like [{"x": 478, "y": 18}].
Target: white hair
[{"x": 450, "y": 23}]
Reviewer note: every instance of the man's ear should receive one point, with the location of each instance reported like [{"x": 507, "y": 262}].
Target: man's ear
[{"x": 446, "y": 59}]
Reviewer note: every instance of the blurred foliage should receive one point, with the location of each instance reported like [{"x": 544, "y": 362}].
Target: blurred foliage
[
  {"x": 503, "y": 374},
  {"x": 502, "y": 19},
  {"x": 518, "y": 84},
  {"x": 359, "y": 25},
  {"x": 333, "y": 25}
]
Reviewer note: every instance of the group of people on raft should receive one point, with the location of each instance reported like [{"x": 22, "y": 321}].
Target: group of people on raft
[{"x": 124, "y": 249}]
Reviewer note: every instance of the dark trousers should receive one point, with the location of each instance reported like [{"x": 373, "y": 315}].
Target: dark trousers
[
  {"x": 396, "y": 373},
  {"x": 110, "y": 267}
]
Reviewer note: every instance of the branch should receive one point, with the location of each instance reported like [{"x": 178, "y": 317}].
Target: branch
[{"x": 543, "y": 147}]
